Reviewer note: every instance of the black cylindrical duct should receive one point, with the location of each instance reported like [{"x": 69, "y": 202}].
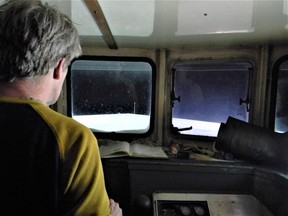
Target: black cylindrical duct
[{"x": 246, "y": 141}]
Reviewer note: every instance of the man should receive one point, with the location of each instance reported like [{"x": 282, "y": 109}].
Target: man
[{"x": 50, "y": 164}]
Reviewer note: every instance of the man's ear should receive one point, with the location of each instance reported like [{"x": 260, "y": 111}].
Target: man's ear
[{"x": 58, "y": 71}]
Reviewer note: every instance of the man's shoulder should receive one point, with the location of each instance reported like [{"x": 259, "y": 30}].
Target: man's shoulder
[
  {"x": 68, "y": 131},
  {"x": 59, "y": 121}
]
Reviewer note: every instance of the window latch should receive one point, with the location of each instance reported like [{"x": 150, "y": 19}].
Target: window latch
[
  {"x": 177, "y": 130},
  {"x": 247, "y": 102},
  {"x": 172, "y": 94},
  {"x": 174, "y": 98}
]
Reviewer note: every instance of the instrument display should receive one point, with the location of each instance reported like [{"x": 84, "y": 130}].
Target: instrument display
[{"x": 203, "y": 204}]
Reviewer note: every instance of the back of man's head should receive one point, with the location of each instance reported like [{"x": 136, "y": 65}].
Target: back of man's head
[{"x": 34, "y": 37}]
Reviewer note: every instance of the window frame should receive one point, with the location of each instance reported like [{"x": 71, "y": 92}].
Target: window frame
[
  {"x": 273, "y": 92},
  {"x": 115, "y": 135},
  {"x": 174, "y": 133}
]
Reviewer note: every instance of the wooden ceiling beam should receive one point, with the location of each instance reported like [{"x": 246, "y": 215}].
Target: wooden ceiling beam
[{"x": 99, "y": 17}]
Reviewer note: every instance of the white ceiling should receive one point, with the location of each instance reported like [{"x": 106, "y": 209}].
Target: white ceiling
[{"x": 181, "y": 23}]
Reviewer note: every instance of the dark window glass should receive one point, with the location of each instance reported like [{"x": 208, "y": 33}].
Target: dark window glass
[
  {"x": 112, "y": 95},
  {"x": 281, "y": 114},
  {"x": 206, "y": 93}
]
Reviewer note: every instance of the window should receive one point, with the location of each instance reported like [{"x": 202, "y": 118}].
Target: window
[
  {"x": 206, "y": 93},
  {"x": 281, "y": 110},
  {"x": 113, "y": 96}
]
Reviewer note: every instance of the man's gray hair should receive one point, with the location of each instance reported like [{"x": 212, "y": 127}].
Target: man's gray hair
[{"x": 34, "y": 37}]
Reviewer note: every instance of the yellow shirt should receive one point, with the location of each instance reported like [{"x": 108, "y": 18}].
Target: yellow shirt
[{"x": 83, "y": 189}]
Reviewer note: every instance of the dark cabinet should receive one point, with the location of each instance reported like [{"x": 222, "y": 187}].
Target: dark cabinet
[{"x": 132, "y": 182}]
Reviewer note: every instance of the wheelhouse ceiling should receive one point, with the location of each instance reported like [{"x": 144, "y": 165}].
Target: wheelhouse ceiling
[{"x": 177, "y": 23}]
